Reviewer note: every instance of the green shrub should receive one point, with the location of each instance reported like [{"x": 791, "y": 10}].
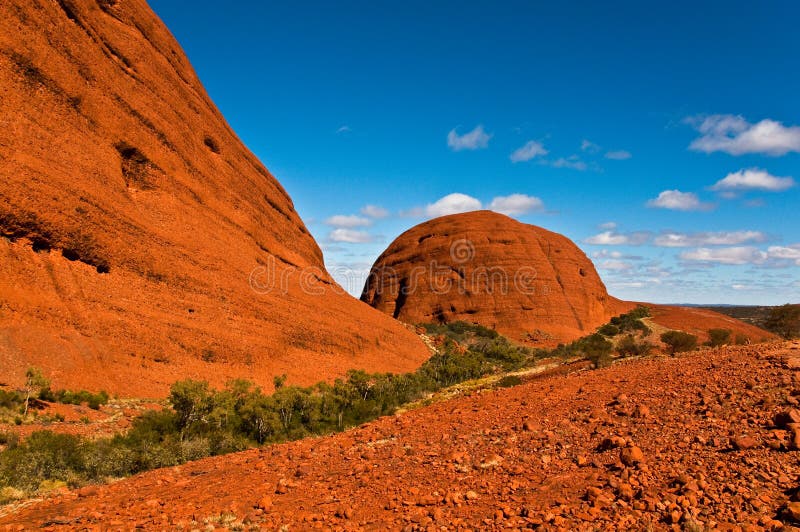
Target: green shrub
[
  {"x": 42, "y": 456},
  {"x": 632, "y": 321},
  {"x": 628, "y": 346},
  {"x": 594, "y": 348},
  {"x": 608, "y": 330},
  {"x": 741, "y": 339},
  {"x": 11, "y": 400},
  {"x": 718, "y": 337},
  {"x": 9, "y": 439},
  {"x": 93, "y": 400},
  {"x": 784, "y": 321},
  {"x": 508, "y": 381},
  {"x": 460, "y": 331},
  {"x": 678, "y": 341}
]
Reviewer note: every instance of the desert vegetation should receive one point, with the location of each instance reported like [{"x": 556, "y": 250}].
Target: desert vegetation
[
  {"x": 784, "y": 321},
  {"x": 679, "y": 341},
  {"x": 201, "y": 421},
  {"x": 22, "y": 406}
]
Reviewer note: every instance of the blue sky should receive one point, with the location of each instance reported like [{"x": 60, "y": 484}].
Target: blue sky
[{"x": 662, "y": 138}]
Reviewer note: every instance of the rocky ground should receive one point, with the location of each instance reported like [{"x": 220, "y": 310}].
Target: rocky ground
[{"x": 704, "y": 441}]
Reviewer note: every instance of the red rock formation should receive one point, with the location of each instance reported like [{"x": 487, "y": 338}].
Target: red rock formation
[
  {"x": 484, "y": 267},
  {"x": 531, "y": 284},
  {"x": 133, "y": 217}
]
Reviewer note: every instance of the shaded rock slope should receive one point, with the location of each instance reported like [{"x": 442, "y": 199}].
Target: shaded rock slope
[{"x": 142, "y": 242}]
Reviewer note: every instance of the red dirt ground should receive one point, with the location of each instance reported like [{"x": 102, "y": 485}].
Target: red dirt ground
[
  {"x": 664, "y": 443},
  {"x": 698, "y": 321}
]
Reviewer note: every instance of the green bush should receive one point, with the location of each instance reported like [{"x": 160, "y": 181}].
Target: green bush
[
  {"x": 9, "y": 439},
  {"x": 93, "y": 400},
  {"x": 41, "y": 457},
  {"x": 784, "y": 321},
  {"x": 608, "y": 330},
  {"x": 718, "y": 337},
  {"x": 628, "y": 346},
  {"x": 508, "y": 381},
  {"x": 11, "y": 400},
  {"x": 460, "y": 331},
  {"x": 678, "y": 341},
  {"x": 632, "y": 321}
]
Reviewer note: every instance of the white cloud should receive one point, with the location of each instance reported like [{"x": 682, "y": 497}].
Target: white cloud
[
  {"x": 604, "y": 254},
  {"x": 753, "y": 178},
  {"x": 350, "y": 221},
  {"x": 527, "y": 152},
  {"x": 785, "y": 252},
  {"x": 570, "y": 162},
  {"x": 721, "y": 238},
  {"x": 374, "y": 211},
  {"x": 474, "y": 140},
  {"x": 516, "y": 204},
  {"x": 350, "y": 236},
  {"x": 610, "y": 238},
  {"x": 634, "y": 284},
  {"x": 736, "y": 136},
  {"x": 615, "y": 265},
  {"x": 679, "y": 201},
  {"x": 730, "y": 256},
  {"x": 344, "y": 129},
  {"x": 611, "y": 254},
  {"x": 618, "y": 155},
  {"x": 589, "y": 147},
  {"x": 608, "y": 225},
  {"x": 452, "y": 204}
]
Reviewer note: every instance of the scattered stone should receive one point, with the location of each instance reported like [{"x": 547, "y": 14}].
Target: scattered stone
[
  {"x": 792, "y": 511},
  {"x": 265, "y": 503},
  {"x": 742, "y": 443},
  {"x": 612, "y": 442},
  {"x": 783, "y": 419},
  {"x": 631, "y": 456}
]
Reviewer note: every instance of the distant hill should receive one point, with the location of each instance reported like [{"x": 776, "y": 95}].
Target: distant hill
[{"x": 752, "y": 314}]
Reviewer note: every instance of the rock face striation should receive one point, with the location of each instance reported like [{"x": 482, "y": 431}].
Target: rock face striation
[
  {"x": 528, "y": 283},
  {"x": 141, "y": 241}
]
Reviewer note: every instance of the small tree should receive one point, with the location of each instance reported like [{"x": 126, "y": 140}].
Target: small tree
[
  {"x": 718, "y": 337},
  {"x": 34, "y": 381},
  {"x": 608, "y": 330},
  {"x": 784, "y": 321},
  {"x": 629, "y": 347},
  {"x": 596, "y": 349},
  {"x": 192, "y": 402},
  {"x": 278, "y": 381},
  {"x": 679, "y": 341}
]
